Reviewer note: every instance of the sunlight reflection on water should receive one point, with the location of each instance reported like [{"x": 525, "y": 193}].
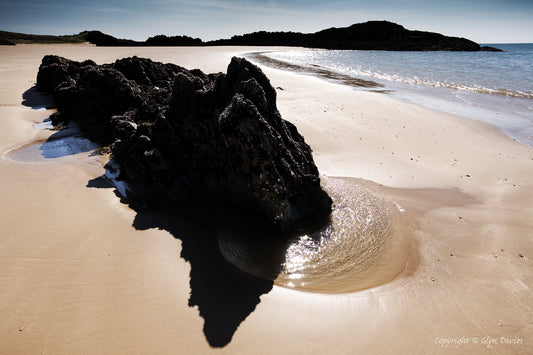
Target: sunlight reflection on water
[{"x": 359, "y": 248}]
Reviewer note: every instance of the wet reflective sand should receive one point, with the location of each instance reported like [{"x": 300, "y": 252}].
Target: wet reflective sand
[
  {"x": 363, "y": 245},
  {"x": 64, "y": 143}
]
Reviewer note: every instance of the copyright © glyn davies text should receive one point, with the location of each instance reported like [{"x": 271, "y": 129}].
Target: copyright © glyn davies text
[{"x": 487, "y": 341}]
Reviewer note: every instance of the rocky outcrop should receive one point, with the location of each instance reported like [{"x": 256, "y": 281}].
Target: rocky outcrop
[
  {"x": 104, "y": 40},
  {"x": 372, "y": 35},
  {"x": 6, "y": 42},
  {"x": 185, "y": 136},
  {"x": 162, "y": 40}
]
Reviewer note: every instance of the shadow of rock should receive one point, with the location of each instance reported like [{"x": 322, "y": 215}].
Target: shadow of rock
[
  {"x": 68, "y": 141},
  {"x": 60, "y": 144},
  {"x": 37, "y": 100},
  {"x": 65, "y": 142},
  {"x": 225, "y": 295},
  {"x": 100, "y": 183}
]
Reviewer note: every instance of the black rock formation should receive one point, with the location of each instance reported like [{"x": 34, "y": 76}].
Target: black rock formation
[
  {"x": 162, "y": 40},
  {"x": 372, "y": 35},
  {"x": 104, "y": 40},
  {"x": 185, "y": 136}
]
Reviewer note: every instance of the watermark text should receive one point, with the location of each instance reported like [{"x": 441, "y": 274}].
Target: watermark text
[{"x": 486, "y": 341}]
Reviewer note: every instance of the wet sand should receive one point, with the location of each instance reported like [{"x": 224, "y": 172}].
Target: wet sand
[{"x": 82, "y": 272}]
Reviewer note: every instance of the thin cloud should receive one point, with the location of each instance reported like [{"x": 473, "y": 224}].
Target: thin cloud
[
  {"x": 202, "y": 5},
  {"x": 108, "y": 10}
]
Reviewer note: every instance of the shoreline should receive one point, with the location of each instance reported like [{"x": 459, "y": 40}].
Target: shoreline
[
  {"x": 314, "y": 70},
  {"x": 82, "y": 271},
  {"x": 484, "y": 106}
]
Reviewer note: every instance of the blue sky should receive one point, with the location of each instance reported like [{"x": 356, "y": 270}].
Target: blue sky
[{"x": 484, "y": 21}]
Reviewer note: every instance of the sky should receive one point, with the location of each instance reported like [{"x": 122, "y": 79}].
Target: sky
[{"x": 483, "y": 21}]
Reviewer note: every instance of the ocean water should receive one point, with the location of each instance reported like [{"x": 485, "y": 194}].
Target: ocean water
[{"x": 494, "y": 87}]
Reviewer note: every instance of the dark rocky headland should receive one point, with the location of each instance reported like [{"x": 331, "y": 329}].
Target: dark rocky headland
[
  {"x": 184, "y": 136},
  {"x": 372, "y": 35}
]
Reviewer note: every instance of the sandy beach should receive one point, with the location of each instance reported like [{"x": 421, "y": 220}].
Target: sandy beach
[{"x": 80, "y": 272}]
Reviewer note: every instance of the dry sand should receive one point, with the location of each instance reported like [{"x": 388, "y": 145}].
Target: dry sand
[{"x": 81, "y": 273}]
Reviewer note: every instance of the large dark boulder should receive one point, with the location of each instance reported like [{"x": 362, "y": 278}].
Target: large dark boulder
[{"x": 185, "y": 136}]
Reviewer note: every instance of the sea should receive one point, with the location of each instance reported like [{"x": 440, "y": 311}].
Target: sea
[{"x": 493, "y": 87}]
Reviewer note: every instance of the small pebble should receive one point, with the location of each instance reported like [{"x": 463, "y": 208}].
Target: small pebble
[{"x": 21, "y": 328}]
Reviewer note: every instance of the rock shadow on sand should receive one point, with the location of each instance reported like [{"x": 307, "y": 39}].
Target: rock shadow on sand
[
  {"x": 225, "y": 296},
  {"x": 236, "y": 257},
  {"x": 37, "y": 100},
  {"x": 64, "y": 142}
]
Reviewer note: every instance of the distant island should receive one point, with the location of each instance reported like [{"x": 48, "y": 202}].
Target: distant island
[{"x": 372, "y": 35}]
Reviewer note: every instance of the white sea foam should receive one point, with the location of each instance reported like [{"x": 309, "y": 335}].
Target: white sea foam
[{"x": 496, "y": 87}]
